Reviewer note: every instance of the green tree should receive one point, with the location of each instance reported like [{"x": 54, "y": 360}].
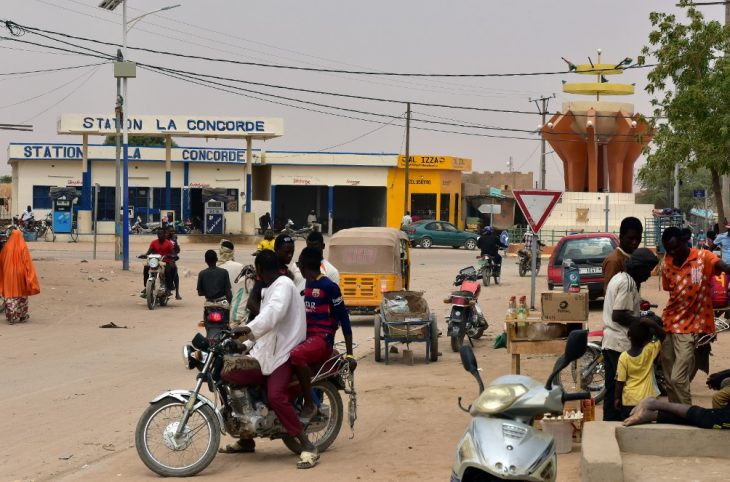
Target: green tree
[
  {"x": 143, "y": 141},
  {"x": 6, "y": 179},
  {"x": 691, "y": 87},
  {"x": 657, "y": 188}
]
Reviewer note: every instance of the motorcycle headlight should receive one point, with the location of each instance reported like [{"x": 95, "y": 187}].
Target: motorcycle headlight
[
  {"x": 154, "y": 262},
  {"x": 497, "y": 398}
]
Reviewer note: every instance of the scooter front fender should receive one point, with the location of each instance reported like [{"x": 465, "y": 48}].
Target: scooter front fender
[
  {"x": 505, "y": 449},
  {"x": 184, "y": 396}
]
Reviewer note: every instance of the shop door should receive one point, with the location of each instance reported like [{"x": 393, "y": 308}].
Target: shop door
[
  {"x": 139, "y": 198},
  {"x": 423, "y": 206},
  {"x": 196, "y": 208},
  {"x": 445, "y": 207}
]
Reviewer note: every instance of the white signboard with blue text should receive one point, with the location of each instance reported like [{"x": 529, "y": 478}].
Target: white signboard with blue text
[{"x": 174, "y": 125}]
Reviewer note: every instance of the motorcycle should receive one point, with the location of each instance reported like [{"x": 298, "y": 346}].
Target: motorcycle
[
  {"x": 183, "y": 227},
  {"x": 500, "y": 442},
  {"x": 466, "y": 317},
  {"x": 155, "y": 290},
  {"x": 488, "y": 269},
  {"x": 179, "y": 433},
  {"x": 592, "y": 376},
  {"x": 525, "y": 262},
  {"x": 302, "y": 232}
]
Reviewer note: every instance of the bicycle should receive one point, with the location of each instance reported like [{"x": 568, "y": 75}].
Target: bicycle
[
  {"x": 45, "y": 229},
  {"x": 74, "y": 231}
]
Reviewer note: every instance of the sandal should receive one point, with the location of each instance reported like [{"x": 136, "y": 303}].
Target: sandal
[
  {"x": 238, "y": 448},
  {"x": 307, "y": 460}
]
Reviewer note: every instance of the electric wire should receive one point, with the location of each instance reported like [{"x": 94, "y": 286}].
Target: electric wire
[
  {"x": 10, "y": 24},
  {"x": 91, "y": 74},
  {"x": 54, "y": 89},
  {"x": 57, "y": 69}
]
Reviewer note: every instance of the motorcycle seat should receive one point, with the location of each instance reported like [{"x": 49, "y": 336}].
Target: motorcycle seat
[{"x": 465, "y": 294}]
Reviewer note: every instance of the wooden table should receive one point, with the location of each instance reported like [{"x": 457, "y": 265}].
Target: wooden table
[{"x": 521, "y": 346}]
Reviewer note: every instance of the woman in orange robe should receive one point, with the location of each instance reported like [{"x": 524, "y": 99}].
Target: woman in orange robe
[{"x": 18, "y": 279}]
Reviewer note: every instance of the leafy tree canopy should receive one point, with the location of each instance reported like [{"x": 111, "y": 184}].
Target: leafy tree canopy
[{"x": 144, "y": 141}]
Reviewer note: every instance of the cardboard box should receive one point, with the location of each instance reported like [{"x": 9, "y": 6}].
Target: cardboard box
[{"x": 557, "y": 306}]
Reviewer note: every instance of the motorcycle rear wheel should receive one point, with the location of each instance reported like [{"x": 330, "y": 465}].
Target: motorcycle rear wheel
[
  {"x": 486, "y": 276},
  {"x": 49, "y": 235},
  {"x": 322, "y": 439},
  {"x": 522, "y": 269},
  {"x": 159, "y": 421},
  {"x": 150, "y": 294}
]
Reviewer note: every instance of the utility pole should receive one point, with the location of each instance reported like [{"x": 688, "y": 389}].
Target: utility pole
[
  {"x": 676, "y": 185},
  {"x": 408, "y": 157},
  {"x": 543, "y": 112}
]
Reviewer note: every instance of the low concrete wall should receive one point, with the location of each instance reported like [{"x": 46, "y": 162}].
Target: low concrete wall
[
  {"x": 673, "y": 441},
  {"x": 600, "y": 454}
]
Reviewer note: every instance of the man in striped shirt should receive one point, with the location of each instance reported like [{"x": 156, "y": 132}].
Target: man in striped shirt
[{"x": 325, "y": 312}]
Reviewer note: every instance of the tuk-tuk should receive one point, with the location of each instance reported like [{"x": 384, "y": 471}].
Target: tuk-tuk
[{"x": 371, "y": 261}]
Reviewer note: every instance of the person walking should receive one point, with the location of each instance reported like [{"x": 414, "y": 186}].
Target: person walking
[
  {"x": 407, "y": 220},
  {"x": 227, "y": 260},
  {"x": 688, "y": 312},
  {"x": 621, "y": 308},
  {"x": 18, "y": 279}
]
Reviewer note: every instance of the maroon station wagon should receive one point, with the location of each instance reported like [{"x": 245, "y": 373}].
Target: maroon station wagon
[{"x": 588, "y": 252}]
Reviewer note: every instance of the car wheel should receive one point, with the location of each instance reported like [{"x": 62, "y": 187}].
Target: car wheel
[
  {"x": 470, "y": 244},
  {"x": 426, "y": 242}
]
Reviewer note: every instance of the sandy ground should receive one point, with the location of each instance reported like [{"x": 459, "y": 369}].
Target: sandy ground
[{"x": 72, "y": 392}]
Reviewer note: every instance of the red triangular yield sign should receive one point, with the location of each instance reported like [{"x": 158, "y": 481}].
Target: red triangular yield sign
[{"x": 536, "y": 206}]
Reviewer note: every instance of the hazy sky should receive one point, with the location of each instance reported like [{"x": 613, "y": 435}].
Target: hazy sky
[{"x": 398, "y": 36}]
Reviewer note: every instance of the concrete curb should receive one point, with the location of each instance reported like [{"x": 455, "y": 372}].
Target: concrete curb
[{"x": 600, "y": 457}]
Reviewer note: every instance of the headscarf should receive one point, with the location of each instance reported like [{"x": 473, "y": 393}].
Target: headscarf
[
  {"x": 17, "y": 273},
  {"x": 224, "y": 253}
]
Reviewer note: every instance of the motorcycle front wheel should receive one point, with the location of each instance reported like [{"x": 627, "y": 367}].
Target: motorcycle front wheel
[
  {"x": 592, "y": 372},
  {"x": 150, "y": 294},
  {"x": 457, "y": 341},
  {"x": 322, "y": 433},
  {"x": 522, "y": 269},
  {"x": 168, "y": 456}
]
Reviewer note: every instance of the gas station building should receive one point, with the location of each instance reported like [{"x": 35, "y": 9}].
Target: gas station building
[{"x": 344, "y": 189}]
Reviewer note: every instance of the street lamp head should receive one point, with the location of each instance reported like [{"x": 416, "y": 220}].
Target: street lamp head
[{"x": 110, "y": 4}]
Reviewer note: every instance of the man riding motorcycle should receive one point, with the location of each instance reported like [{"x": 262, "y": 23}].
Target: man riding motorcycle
[
  {"x": 166, "y": 249},
  {"x": 489, "y": 244},
  {"x": 528, "y": 239}
]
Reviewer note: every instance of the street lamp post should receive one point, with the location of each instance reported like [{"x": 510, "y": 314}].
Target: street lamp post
[{"x": 124, "y": 70}]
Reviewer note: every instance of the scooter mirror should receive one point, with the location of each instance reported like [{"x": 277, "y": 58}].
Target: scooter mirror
[
  {"x": 468, "y": 360},
  {"x": 576, "y": 345}
]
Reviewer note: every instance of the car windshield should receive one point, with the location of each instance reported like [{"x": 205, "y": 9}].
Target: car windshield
[{"x": 585, "y": 250}]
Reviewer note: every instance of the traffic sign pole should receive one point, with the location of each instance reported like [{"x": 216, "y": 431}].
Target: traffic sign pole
[{"x": 536, "y": 206}]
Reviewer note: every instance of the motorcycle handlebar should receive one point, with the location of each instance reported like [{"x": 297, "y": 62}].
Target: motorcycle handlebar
[{"x": 569, "y": 397}]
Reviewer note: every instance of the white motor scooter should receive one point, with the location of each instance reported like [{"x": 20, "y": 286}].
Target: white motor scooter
[{"x": 500, "y": 442}]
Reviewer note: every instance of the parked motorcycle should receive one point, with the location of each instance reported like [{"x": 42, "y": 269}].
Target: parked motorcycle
[
  {"x": 465, "y": 318},
  {"x": 592, "y": 376},
  {"x": 500, "y": 442},
  {"x": 302, "y": 232},
  {"x": 179, "y": 433},
  {"x": 155, "y": 290},
  {"x": 525, "y": 262}
]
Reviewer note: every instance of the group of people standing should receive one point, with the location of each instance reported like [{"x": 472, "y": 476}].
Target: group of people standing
[
  {"x": 293, "y": 313},
  {"x": 632, "y": 343}
]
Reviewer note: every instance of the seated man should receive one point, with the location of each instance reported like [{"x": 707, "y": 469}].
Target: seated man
[
  {"x": 279, "y": 326},
  {"x": 166, "y": 249},
  {"x": 325, "y": 312}
]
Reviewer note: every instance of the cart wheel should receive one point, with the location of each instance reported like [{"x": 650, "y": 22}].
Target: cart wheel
[
  {"x": 433, "y": 355},
  {"x": 376, "y": 339}
]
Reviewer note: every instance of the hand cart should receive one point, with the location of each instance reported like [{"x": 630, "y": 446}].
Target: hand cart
[{"x": 405, "y": 318}]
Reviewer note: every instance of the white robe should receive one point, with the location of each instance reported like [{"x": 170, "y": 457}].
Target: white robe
[{"x": 280, "y": 325}]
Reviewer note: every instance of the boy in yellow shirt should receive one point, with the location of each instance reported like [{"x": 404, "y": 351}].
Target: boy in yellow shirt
[
  {"x": 635, "y": 373},
  {"x": 267, "y": 242}
]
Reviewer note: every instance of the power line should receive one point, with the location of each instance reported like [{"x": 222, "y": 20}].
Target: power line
[
  {"x": 10, "y": 24},
  {"x": 71, "y": 67},
  {"x": 91, "y": 74},
  {"x": 59, "y": 87}
]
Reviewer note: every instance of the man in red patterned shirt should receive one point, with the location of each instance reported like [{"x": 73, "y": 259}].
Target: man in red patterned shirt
[{"x": 688, "y": 313}]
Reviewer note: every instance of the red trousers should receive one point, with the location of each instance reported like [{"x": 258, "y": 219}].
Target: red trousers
[
  {"x": 277, "y": 391},
  {"x": 311, "y": 351}
]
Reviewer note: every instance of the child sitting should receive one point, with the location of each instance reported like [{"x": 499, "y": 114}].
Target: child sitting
[{"x": 635, "y": 373}]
